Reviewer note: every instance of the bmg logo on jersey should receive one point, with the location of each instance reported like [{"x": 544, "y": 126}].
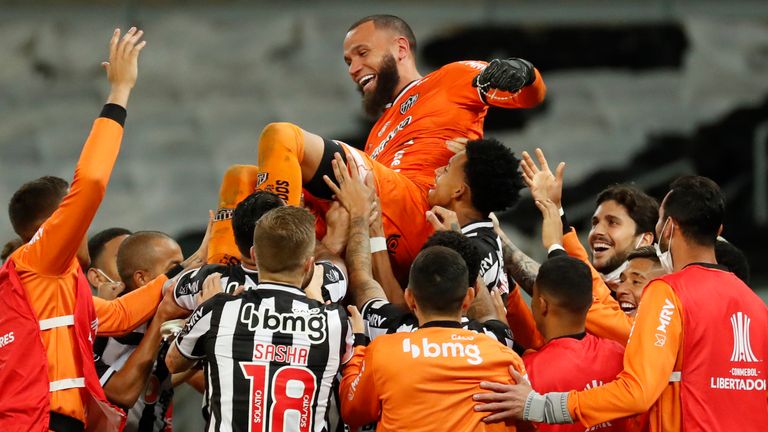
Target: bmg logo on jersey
[
  {"x": 306, "y": 323},
  {"x": 444, "y": 349}
]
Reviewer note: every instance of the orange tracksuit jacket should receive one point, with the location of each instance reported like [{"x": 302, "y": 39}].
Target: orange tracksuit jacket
[{"x": 47, "y": 267}]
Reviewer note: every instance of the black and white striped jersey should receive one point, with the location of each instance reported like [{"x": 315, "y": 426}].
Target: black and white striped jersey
[
  {"x": 382, "y": 317},
  {"x": 270, "y": 357},
  {"x": 189, "y": 283},
  {"x": 149, "y": 413},
  {"x": 489, "y": 245}
]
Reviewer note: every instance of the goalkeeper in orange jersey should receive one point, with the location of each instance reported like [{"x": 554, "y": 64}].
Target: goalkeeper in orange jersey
[{"x": 416, "y": 116}]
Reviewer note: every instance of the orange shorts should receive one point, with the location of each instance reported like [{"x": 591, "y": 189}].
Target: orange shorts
[{"x": 403, "y": 208}]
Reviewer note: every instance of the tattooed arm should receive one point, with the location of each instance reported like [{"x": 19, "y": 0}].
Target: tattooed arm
[
  {"x": 355, "y": 196},
  {"x": 517, "y": 264}
]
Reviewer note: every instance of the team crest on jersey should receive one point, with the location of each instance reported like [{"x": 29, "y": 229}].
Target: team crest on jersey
[
  {"x": 405, "y": 106},
  {"x": 332, "y": 275},
  {"x": 261, "y": 178}
]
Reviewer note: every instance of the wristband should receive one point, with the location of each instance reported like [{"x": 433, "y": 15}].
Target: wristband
[
  {"x": 550, "y": 408},
  {"x": 555, "y": 247},
  {"x": 360, "y": 339},
  {"x": 378, "y": 244}
]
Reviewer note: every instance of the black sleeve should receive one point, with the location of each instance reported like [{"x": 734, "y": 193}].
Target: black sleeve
[
  {"x": 334, "y": 287},
  {"x": 382, "y": 317},
  {"x": 190, "y": 282},
  {"x": 114, "y": 112}
]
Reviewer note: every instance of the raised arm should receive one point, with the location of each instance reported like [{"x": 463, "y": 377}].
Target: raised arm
[
  {"x": 382, "y": 266},
  {"x": 510, "y": 83},
  {"x": 354, "y": 195},
  {"x": 56, "y": 243}
]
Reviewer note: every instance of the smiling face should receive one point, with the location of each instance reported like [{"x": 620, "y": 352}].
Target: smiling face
[
  {"x": 612, "y": 236},
  {"x": 634, "y": 278},
  {"x": 449, "y": 181},
  {"x": 371, "y": 55}
]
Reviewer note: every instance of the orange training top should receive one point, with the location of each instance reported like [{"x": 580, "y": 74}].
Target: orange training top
[
  {"x": 47, "y": 267},
  {"x": 424, "y": 381},
  {"x": 653, "y": 352}
]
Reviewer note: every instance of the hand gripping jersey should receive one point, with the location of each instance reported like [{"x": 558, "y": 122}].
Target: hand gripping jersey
[
  {"x": 424, "y": 381},
  {"x": 270, "y": 357},
  {"x": 696, "y": 356},
  {"x": 189, "y": 283},
  {"x": 570, "y": 363}
]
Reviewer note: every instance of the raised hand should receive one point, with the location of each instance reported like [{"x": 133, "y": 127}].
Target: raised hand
[
  {"x": 541, "y": 181},
  {"x": 509, "y": 75},
  {"x": 337, "y": 233},
  {"x": 122, "y": 67},
  {"x": 351, "y": 192}
]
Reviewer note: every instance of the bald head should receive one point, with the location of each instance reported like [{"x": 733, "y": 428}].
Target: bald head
[{"x": 146, "y": 255}]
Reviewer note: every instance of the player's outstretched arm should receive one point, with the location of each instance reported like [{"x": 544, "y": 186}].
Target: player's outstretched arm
[
  {"x": 355, "y": 196},
  {"x": 56, "y": 243},
  {"x": 510, "y": 83}
]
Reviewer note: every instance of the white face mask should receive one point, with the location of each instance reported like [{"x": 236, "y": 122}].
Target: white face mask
[
  {"x": 665, "y": 257},
  {"x": 104, "y": 275},
  {"x": 615, "y": 276}
]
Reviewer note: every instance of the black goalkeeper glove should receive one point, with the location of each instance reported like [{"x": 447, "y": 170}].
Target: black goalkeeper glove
[{"x": 509, "y": 75}]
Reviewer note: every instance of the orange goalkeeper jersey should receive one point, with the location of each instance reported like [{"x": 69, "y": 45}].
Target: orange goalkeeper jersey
[
  {"x": 410, "y": 135},
  {"x": 424, "y": 381}
]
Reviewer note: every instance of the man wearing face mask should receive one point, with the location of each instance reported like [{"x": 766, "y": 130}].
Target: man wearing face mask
[
  {"x": 697, "y": 353},
  {"x": 102, "y": 273}
]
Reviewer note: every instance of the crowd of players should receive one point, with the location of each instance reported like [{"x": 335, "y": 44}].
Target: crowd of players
[{"x": 346, "y": 289}]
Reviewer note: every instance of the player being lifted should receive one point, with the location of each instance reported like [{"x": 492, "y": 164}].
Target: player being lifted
[{"x": 417, "y": 115}]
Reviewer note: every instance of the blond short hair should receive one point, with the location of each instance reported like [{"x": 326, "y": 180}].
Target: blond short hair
[{"x": 283, "y": 239}]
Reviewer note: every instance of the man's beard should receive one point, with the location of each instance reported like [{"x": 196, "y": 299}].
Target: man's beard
[
  {"x": 614, "y": 263},
  {"x": 387, "y": 79}
]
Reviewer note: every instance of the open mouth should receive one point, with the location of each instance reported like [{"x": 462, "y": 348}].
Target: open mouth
[
  {"x": 366, "y": 82},
  {"x": 627, "y": 307},
  {"x": 598, "y": 248}
]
